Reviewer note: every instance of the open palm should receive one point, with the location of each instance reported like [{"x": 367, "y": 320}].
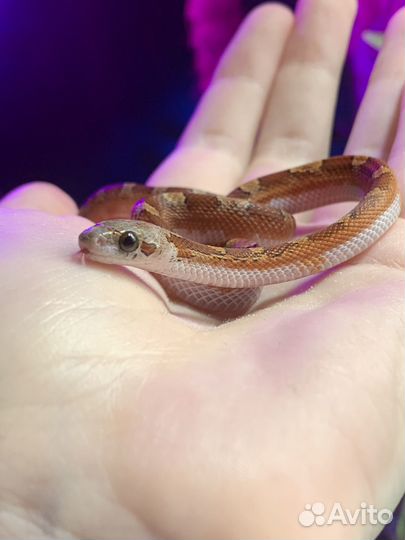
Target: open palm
[{"x": 122, "y": 417}]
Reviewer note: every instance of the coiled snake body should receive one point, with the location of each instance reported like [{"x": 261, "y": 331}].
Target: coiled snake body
[{"x": 216, "y": 252}]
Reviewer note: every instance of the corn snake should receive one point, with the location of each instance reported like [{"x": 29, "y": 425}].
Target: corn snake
[{"x": 215, "y": 252}]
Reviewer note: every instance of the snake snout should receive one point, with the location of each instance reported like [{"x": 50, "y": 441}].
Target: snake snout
[
  {"x": 94, "y": 240},
  {"x": 84, "y": 241}
]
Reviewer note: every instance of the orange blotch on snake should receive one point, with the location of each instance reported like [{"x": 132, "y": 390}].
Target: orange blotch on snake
[{"x": 147, "y": 249}]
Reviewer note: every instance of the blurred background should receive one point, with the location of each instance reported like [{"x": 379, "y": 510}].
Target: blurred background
[
  {"x": 98, "y": 91},
  {"x": 90, "y": 91}
]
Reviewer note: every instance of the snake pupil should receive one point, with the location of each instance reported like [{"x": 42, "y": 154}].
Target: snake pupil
[{"x": 128, "y": 241}]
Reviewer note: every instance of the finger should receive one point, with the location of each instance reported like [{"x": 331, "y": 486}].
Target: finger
[
  {"x": 396, "y": 158},
  {"x": 297, "y": 123},
  {"x": 376, "y": 121},
  {"x": 216, "y": 145},
  {"x": 40, "y": 196}
]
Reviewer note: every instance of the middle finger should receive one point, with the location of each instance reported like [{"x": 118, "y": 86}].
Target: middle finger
[{"x": 297, "y": 121}]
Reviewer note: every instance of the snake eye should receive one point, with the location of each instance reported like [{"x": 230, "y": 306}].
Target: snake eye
[{"x": 128, "y": 241}]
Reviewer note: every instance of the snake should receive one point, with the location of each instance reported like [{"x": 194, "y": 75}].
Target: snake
[{"x": 216, "y": 252}]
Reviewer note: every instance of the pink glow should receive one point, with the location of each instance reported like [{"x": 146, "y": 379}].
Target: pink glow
[
  {"x": 372, "y": 15},
  {"x": 212, "y": 24}
]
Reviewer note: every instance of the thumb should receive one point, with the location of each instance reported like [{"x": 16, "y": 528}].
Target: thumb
[{"x": 41, "y": 196}]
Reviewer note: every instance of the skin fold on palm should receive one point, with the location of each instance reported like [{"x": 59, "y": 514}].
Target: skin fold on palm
[{"x": 120, "y": 418}]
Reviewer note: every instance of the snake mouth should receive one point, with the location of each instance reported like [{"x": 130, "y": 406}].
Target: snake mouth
[{"x": 85, "y": 250}]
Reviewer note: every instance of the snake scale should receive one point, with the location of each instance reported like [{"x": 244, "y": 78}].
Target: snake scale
[{"x": 215, "y": 252}]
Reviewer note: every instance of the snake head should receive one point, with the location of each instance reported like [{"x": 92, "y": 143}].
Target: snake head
[{"x": 125, "y": 242}]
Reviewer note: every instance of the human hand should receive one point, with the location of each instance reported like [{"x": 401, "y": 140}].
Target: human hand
[{"x": 120, "y": 419}]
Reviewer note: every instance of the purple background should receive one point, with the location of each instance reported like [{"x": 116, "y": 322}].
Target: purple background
[{"x": 97, "y": 91}]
